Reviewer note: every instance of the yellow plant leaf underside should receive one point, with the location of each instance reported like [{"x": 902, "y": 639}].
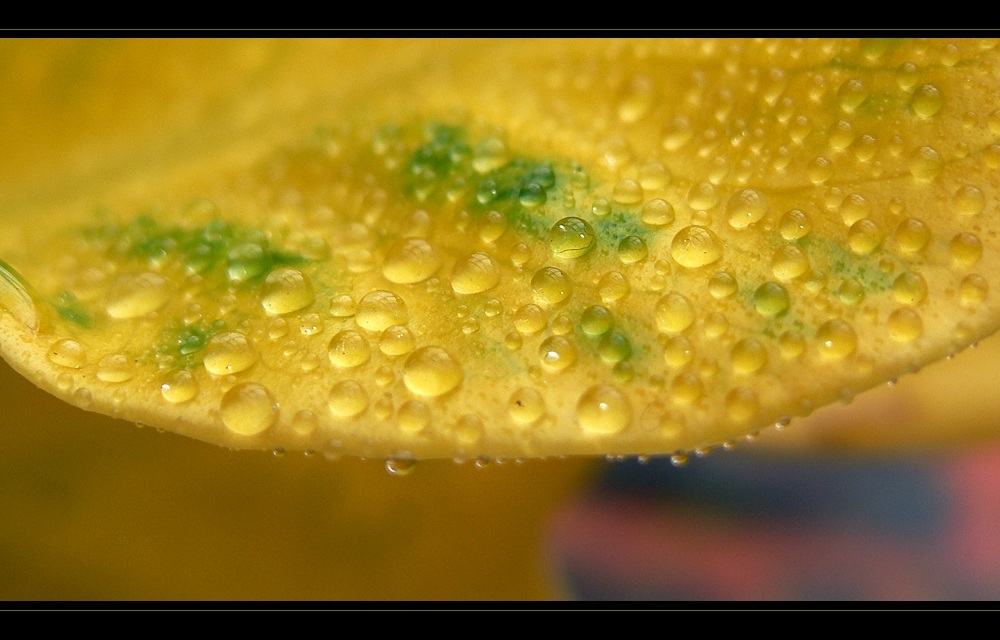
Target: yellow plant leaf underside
[{"x": 521, "y": 248}]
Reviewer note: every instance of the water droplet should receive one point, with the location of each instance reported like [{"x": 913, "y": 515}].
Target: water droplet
[
  {"x": 343, "y": 306},
  {"x": 492, "y": 225},
  {"x": 745, "y": 208},
  {"x": 526, "y": 406},
  {"x": 791, "y": 344},
  {"x": 349, "y": 349},
  {"x": 789, "y": 262},
  {"x": 851, "y": 292},
  {"x": 674, "y": 313},
  {"x": 601, "y": 208},
  {"x": 400, "y": 466},
  {"x": 311, "y": 324},
  {"x": 613, "y": 286},
  {"x": 973, "y": 290},
  {"x": 413, "y": 416},
  {"x": 550, "y": 285},
  {"x": 603, "y": 409},
  {"x": 695, "y": 246},
  {"x": 178, "y": 386},
  {"x": 742, "y": 404},
  {"x": 396, "y": 341},
  {"x": 286, "y": 290},
  {"x": 909, "y": 288},
  {"x": 380, "y": 310},
  {"x": 431, "y": 371},
  {"x": 135, "y": 294},
  {"x": 748, "y": 356},
  {"x": 853, "y": 208},
  {"x": 614, "y": 347},
  {"x": 246, "y": 261},
  {"x": 304, "y": 423},
  {"x": 770, "y": 299},
  {"x": 969, "y": 200},
  {"x": 678, "y": 351},
  {"x": 820, "y": 170},
  {"x": 562, "y": 324},
  {"x": 686, "y": 388},
  {"x": 926, "y": 163},
  {"x": 277, "y": 328},
  {"x": 840, "y": 136},
  {"x": 837, "y": 339},
  {"x": 676, "y": 133},
  {"x": 67, "y": 353},
  {"x": 966, "y": 248},
  {"x": 228, "y": 352},
  {"x": 722, "y": 285},
  {"x": 347, "y": 399},
  {"x": 596, "y": 320},
  {"x": 851, "y": 94},
  {"x": 410, "y": 260},
  {"x": 658, "y": 213},
  {"x": 628, "y": 192},
  {"x": 703, "y": 196},
  {"x": 532, "y": 195},
  {"x": 469, "y": 429},
  {"x": 864, "y": 236},
  {"x": 248, "y": 409},
  {"x": 556, "y": 353},
  {"x": 475, "y": 274},
  {"x": 632, "y": 249},
  {"x": 912, "y": 235},
  {"x": 489, "y": 155},
  {"x": 905, "y": 325},
  {"x": 115, "y": 367},
  {"x": 635, "y": 99},
  {"x": 654, "y": 176},
  {"x": 926, "y": 101},
  {"x": 529, "y": 319},
  {"x": 572, "y": 238}
]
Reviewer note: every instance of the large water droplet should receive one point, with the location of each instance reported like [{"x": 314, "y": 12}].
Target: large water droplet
[
  {"x": 431, "y": 371},
  {"x": 248, "y": 409}
]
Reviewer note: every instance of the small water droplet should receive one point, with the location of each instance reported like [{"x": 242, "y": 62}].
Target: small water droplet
[
  {"x": 852, "y": 94},
  {"x": 396, "y": 341},
  {"x": 658, "y": 213},
  {"x": 686, "y": 388},
  {"x": 400, "y": 466},
  {"x": 703, "y": 196},
  {"x": 489, "y": 155},
  {"x": 722, "y": 285},
  {"x": 969, "y": 200},
  {"x": 742, "y": 404},
  {"x": 973, "y": 290},
  {"x": 304, "y": 422},
  {"x": 678, "y": 351}
]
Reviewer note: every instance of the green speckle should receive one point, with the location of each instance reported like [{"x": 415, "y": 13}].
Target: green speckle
[{"x": 183, "y": 343}]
